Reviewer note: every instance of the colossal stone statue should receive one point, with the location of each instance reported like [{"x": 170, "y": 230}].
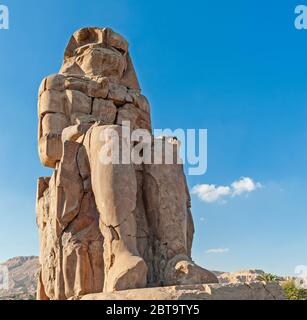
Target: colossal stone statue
[{"x": 106, "y": 227}]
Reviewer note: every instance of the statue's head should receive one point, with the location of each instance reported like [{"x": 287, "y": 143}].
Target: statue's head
[{"x": 100, "y": 52}]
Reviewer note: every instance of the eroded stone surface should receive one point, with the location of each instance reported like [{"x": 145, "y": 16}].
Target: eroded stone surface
[
  {"x": 71, "y": 243},
  {"x": 246, "y": 291},
  {"x": 106, "y": 227}
]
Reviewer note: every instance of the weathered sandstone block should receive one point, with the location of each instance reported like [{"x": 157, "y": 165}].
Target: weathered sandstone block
[{"x": 245, "y": 291}]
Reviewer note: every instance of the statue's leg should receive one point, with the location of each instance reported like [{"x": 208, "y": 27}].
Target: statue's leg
[
  {"x": 115, "y": 190},
  {"x": 167, "y": 203}
]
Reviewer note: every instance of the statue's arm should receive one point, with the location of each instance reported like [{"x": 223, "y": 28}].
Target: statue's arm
[
  {"x": 64, "y": 101},
  {"x": 52, "y": 120},
  {"x": 72, "y": 101}
]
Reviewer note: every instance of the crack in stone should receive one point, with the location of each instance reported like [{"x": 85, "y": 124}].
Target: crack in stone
[
  {"x": 117, "y": 226},
  {"x": 115, "y": 235},
  {"x": 137, "y": 237},
  {"x": 92, "y": 105},
  {"x": 268, "y": 291}
]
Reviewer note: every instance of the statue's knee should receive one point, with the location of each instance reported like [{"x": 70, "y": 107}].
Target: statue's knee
[
  {"x": 106, "y": 133},
  {"x": 111, "y": 141}
]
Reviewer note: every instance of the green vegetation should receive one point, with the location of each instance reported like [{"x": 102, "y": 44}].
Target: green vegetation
[
  {"x": 292, "y": 292},
  {"x": 268, "y": 277}
]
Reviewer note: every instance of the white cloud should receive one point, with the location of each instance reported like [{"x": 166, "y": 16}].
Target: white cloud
[
  {"x": 244, "y": 185},
  {"x": 211, "y": 193},
  {"x": 217, "y": 251}
]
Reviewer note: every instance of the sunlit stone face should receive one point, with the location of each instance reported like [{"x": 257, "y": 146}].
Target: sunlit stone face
[
  {"x": 95, "y": 60},
  {"x": 97, "y": 52}
]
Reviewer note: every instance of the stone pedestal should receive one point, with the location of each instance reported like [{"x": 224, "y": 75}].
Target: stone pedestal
[{"x": 242, "y": 291}]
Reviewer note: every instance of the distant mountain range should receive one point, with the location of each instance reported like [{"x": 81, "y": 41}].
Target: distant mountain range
[{"x": 23, "y": 272}]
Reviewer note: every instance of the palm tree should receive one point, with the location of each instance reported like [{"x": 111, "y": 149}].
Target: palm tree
[{"x": 267, "y": 277}]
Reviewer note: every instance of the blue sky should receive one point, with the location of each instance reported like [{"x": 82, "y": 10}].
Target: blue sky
[{"x": 237, "y": 68}]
